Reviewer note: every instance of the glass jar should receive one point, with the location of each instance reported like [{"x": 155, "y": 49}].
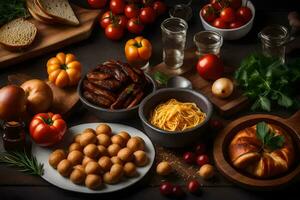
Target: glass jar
[
  {"x": 208, "y": 42},
  {"x": 13, "y": 135},
  {"x": 273, "y": 39}
]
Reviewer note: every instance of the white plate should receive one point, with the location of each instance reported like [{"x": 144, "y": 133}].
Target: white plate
[{"x": 53, "y": 177}]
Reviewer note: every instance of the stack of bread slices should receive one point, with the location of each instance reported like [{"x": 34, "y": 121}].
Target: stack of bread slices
[{"x": 20, "y": 33}]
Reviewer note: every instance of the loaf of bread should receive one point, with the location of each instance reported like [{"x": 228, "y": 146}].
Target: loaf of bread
[
  {"x": 17, "y": 34},
  {"x": 246, "y": 153}
]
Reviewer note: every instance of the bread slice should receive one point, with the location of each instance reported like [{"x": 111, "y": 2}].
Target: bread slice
[
  {"x": 17, "y": 34},
  {"x": 59, "y": 9},
  {"x": 34, "y": 13}
]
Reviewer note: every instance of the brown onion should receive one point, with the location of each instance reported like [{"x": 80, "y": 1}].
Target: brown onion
[{"x": 12, "y": 102}]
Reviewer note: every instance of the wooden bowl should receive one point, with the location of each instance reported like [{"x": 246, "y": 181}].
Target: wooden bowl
[{"x": 290, "y": 125}]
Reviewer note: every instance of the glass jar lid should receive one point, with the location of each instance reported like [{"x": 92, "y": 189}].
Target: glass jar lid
[{"x": 274, "y": 35}]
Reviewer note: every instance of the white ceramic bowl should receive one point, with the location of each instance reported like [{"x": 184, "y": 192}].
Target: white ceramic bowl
[{"x": 235, "y": 33}]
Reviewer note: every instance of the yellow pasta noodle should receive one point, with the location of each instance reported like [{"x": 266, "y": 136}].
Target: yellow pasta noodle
[{"x": 174, "y": 115}]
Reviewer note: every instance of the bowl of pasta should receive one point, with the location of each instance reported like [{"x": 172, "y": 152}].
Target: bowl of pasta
[{"x": 174, "y": 117}]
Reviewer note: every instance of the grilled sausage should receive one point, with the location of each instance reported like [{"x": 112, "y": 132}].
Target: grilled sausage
[
  {"x": 96, "y": 99},
  {"x": 114, "y": 70},
  {"x": 98, "y": 91},
  {"x": 136, "y": 100},
  {"x": 123, "y": 96},
  {"x": 98, "y": 76},
  {"x": 108, "y": 84}
]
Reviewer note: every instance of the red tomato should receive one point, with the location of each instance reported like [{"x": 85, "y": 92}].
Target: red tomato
[
  {"x": 97, "y": 3},
  {"x": 122, "y": 20},
  {"x": 202, "y": 160},
  {"x": 219, "y": 4},
  {"x": 210, "y": 67},
  {"x": 114, "y": 31},
  {"x": 235, "y": 4},
  {"x": 236, "y": 24},
  {"x": 147, "y": 15},
  {"x": 208, "y": 13},
  {"x": 227, "y": 15},
  {"x": 135, "y": 26},
  {"x": 106, "y": 19},
  {"x": 131, "y": 11},
  {"x": 117, "y": 6},
  {"x": 166, "y": 188},
  {"x": 219, "y": 23},
  {"x": 47, "y": 129},
  {"x": 159, "y": 7},
  {"x": 244, "y": 14},
  {"x": 193, "y": 186}
]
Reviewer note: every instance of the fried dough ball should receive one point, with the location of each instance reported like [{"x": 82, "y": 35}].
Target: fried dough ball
[
  {"x": 124, "y": 135},
  {"x": 102, "y": 150},
  {"x": 75, "y": 157},
  {"x": 86, "y": 160},
  {"x": 103, "y": 129},
  {"x": 77, "y": 138},
  {"x": 129, "y": 169},
  {"x": 64, "y": 167},
  {"x": 163, "y": 168},
  {"x": 206, "y": 171},
  {"x": 91, "y": 150},
  {"x": 135, "y": 144},
  {"x": 116, "y": 160},
  {"x": 113, "y": 149},
  {"x": 77, "y": 176},
  {"x": 105, "y": 163},
  {"x": 103, "y": 140},
  {"x": 140, "y": 158},
  {"x": 55, "y": 157},
  {"x": 89, "y": 130},
  {"x": 117, "y": 139},
  {"x": 87, "y": 138},
  {"x": 93, "y": 168},
  {"x": 114, "y": 175},
  {"x": 125, "y": 154},
  {"x": 75, "y": 146},
  {"x": 93, "y": 181},
  {"x": 80, "y": 167}
]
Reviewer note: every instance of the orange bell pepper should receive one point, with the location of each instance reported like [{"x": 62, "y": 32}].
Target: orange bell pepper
[{"x": 138, "y": 49}]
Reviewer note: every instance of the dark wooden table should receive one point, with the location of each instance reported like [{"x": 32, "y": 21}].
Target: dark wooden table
[{"x": 15, "y": 185}]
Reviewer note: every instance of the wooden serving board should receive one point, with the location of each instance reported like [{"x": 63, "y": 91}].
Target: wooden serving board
[
  {"x": 227, "y": 106},
  {"x": 290, "y": 125},
  {"x": 52, "y": 37}
]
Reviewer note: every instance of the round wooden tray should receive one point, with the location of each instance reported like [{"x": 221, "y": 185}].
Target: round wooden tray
[{"x": 291, "y": 125}]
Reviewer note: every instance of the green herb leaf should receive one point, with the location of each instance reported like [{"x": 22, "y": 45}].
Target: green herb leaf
[
  {"x": 262, "y": 131},
  {"x": 275, "y": 142},
  {"x": 161, "y": 78},
  {"x": 11, "y": 9}
]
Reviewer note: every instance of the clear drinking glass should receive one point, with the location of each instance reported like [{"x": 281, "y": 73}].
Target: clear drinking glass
[
  {"x": 208, "y": 42},
  {"x": 173, "y": 38},
  {"x": 273, "y": 39}
]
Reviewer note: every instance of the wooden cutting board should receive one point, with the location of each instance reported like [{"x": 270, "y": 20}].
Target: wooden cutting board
[
  {"x": 227, "y": 106},
  {"x": 52, "y": 37}
]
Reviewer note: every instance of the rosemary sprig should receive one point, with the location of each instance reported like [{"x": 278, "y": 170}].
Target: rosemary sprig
[{"x": 24, "y": 162}]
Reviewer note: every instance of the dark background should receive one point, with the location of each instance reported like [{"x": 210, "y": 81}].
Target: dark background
[{"x": 96, "y": 49}]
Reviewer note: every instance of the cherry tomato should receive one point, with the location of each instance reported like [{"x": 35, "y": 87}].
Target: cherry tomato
[
  {"x": 244, "y": 14},
  {"x": 97, "y": 3},
  {"x": 227, "y": 15},
  {"x": 106, "y": 19},
  {"x": 114, "y": 31},
  {"x": 236, "y": 24},
  {"x": 202, "y": 160},
  {"x": 135, "y": 26},
  {"x": 235, "y": 4},
  {"x": 193, "y": 186},
  {"x": 131, "y": 11},
  {"x": 219, "y": 23},
  {"x": 147, "y": 15},
  {"x": 117, "y": 6},
  {"x": 122, "y": 20},
  {"x": 208, "y": 13},
  {"x": 210, "y": 67},
  {"x": 159, "y": 7},
  {"x": 219, "y": 4},
  {"x": 177, "y": 191},
  {"x": 200, "y": 148},
  {"x": 189, "y": 157},
  {"x": 166, "y": 188}
]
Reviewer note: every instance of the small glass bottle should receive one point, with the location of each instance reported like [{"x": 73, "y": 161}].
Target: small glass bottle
[
  {"x": 208, "y": 42},
  {"x": 273, "y": 39},
  {"x": 13, "y": 136}
]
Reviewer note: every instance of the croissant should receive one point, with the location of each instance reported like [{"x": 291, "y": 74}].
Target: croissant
[{"x": 246, "y": 153}]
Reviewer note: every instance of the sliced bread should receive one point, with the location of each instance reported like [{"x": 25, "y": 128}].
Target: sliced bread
[
  {"x": 59, "y": 9},
  {"x": 17, "y": 34},
  {"x": 34, "y": 13}
]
